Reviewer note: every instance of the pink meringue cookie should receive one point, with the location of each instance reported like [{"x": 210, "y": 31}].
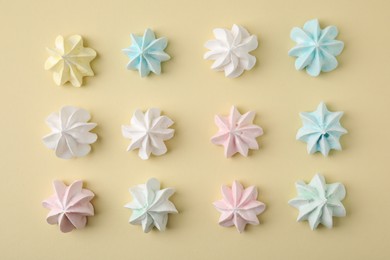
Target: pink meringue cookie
[
  {"x": 69, "y": 206},
  {"x": 237, "y": 133},
  {"x": 239, "y": 206}
]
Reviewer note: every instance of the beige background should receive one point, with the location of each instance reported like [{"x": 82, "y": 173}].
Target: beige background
[{"x": 191, "y": 94}]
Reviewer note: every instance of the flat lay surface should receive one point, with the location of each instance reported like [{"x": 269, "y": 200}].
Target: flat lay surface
[{"x": 191, "y": 94}]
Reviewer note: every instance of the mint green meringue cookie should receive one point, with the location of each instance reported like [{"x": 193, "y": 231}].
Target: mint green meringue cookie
[{"x": 319, "y": 202}]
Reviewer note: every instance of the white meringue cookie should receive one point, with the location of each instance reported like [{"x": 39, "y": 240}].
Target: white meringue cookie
[
  {"x": 230, "y": 50},
  {"x": 148, "y": 132},
  {"x": 70, "y": 135}
]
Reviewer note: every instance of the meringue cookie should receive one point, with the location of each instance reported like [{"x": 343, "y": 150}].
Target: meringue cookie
[
  {"x": 230, "y": 50},
  {"x": 316, "y": 49},
  {"x": 237, "y": 133},
  {"x": 146, "y": 53},
  {"x": 321, "y": 130},
  {"x": 151, "y": 205},
  {"x": 70, "y": 60},
  {"x": 318, "y": 202},
  {"x": 70, "y": 135},
  {"x": 239, "y": 206},
  {"x": 148, "y": 132},
  {"x": 69, "y": 206}
]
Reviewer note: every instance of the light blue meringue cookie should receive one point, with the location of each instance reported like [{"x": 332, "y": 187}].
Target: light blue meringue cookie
[
  {"x": 321, "y": 130},
  {"x": 316, "y": 49},
  {"x": 146, "y": 53},
  {"x": 318, "y": 202}
]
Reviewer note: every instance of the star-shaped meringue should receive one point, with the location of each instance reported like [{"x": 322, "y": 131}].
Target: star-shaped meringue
[
  {"x": 70, "y": 135},
  {"x": 151, "y": 205},
  {"x": 148, "y": 132},
  {"x": 239, "y": 206},
  {"x": 146, "y": 53},
  {"x": 316, "y": 49},
  {"x": 237, "y": 133},
  {"x": 70, "y": 60},
  {"x": 230, "y": 50},
  {"x": 69, "y": 206},
  {"x": 318, "y": 202},
  {"x": 321, "y": 130}
]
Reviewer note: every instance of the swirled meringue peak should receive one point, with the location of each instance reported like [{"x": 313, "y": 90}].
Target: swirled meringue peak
[
  {"x": 151, "y": 205},
  {"x": 148, "y": 132},
  {"x": 146, "y": 53},
  {"x": 70, "y": 136},
  {"x": 70, "y": 60},
  {"x": 321, "y": 130},
  {"x": 316, "y": 49},
  {"x": 230, "y": 50},
  {"x": 237, "y": 133},
  {"x": 69, "y": 206},
  {"x": 318, "y": 201},
  {"x": 239, "y": 206}
]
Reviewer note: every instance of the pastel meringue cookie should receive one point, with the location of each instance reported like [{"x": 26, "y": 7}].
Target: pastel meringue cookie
[
  {"x": 230, "y": 50},
  {"x": 151, "y": 205},
  {"x": 239, "y": 206},
  {"x": 237, "y": 133},
  {"x": 316, "y": 49},
  {"x": 146, "y": 53},
  {"x": 321, "y": 130},
  {"x": 70, "y": 61},
  {"x": 318, "y": 202},
  {"x": 70, "y": 136},
  {"x": 69, "y": 206},
  {"x": 148, "y": 132}
]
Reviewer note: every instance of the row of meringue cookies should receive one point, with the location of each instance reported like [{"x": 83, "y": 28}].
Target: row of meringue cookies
[
  {"x": 71, "y": 136},
  {"x": 316, "y": 50},
  {"x": 317, "y": 202}
]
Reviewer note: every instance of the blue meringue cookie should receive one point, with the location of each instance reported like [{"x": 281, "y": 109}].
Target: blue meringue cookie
[
  {"x": 146, "y": 53},
  {"x": 316, "y": 49},
  {"x": 321, "y": 130}
]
